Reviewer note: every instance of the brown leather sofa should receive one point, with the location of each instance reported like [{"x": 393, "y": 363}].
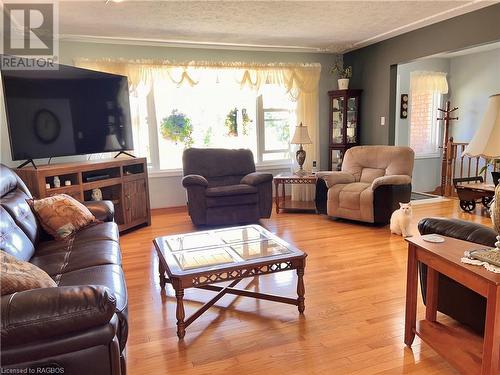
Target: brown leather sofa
[
  {"x": 223, "y": 187},
  {"x": 80, "y": 325},
  {"x": 455, "y": 300},
  {"x": 372, "y": 182}
]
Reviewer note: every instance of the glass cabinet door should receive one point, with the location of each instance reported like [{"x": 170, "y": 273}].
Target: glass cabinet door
[
  {"x": 337, "y": 120},
  {"x": 352, "y": 120}
]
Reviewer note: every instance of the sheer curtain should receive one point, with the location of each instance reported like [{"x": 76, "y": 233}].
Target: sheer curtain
[{"x": 300, "y": 80}]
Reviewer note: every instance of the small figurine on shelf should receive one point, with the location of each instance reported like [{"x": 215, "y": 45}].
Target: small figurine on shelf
[
  {"x": 96, "y": 195},
  {"x": 57, "y": 182}
]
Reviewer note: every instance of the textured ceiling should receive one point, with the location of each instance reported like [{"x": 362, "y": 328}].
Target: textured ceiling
[{"x": 304, "y": 25}]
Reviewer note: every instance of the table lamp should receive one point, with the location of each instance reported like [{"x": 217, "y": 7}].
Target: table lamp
[
  {"x": 486, "y": 140},
  {"x": 486, "y": 143},
  {"x": 301, "y": 137}
]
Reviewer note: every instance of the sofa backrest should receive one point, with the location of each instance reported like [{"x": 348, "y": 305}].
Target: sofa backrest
[
  {"x": 367, "y": 163},
  {"x": 218, "y": 165},
  {"x": 19, "y": 228}
]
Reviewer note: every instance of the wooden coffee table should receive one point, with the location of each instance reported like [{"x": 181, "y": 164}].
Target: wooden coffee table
[
  {"x": 201, "y": 259},
  {"x": 465, "y": 350}
]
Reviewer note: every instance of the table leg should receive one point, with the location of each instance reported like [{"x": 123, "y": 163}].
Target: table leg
[
  {"x": 300, "y": 290},
  {"x": 491, "y": 346},
  {"x": 431, "y": 299},
  {"x": 411, "y": 296},
  {"x": 277, "y": 196},
  {"x": 179, "y": 313},
  {"x": 283, "y": 193},
  {"x": 161, "y": 271}
]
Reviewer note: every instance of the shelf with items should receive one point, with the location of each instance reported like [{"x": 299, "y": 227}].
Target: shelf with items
[
  {"x": 123, "y": 181},
  {"x": 344, "y": 124}
]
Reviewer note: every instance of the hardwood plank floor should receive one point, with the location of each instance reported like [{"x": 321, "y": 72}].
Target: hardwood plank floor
[{"x": 353, "y": 322}]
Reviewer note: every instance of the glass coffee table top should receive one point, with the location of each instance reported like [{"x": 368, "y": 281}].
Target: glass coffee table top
[{"x": 220, "y": 248}]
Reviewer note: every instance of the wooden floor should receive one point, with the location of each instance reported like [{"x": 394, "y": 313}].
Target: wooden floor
[{"x": 353, "y": 322}]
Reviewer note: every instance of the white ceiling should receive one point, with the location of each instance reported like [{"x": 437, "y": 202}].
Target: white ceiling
[{"x": 322, "y": 26}]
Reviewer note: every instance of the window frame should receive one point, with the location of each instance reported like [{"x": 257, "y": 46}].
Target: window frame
[
  {"x": 154, "y": 162},
  {"x": 437, "y": 100},
  {"x": 261, "y": 135}
]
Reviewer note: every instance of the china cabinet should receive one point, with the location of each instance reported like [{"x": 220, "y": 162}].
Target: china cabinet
[{"x": 344, "y": 124}]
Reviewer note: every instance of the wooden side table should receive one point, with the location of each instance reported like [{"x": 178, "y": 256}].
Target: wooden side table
[
  {"x": 287, "y": 178},
  {"x": 463, "y": 349}
]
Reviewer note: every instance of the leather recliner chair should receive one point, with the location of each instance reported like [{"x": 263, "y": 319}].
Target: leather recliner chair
[
  {"x": 80, "y": 325},
  {"x": 372, "y": 182},
  {"x": 223, "y": 187}
]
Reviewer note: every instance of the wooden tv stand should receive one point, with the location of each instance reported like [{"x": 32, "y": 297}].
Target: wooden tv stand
[{"x": 123, "y": 181}]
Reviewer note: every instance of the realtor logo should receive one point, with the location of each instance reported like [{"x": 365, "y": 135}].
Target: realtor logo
[{"x": 29, "y": 31}]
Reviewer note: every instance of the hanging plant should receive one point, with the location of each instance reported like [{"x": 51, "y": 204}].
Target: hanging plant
[
  {"x": 177, "y": 128},
  {"x": 231, "y": 123},
  {"x": 247, "y": 121}
]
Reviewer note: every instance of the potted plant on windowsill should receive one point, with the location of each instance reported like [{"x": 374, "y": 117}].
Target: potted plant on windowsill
[
  {"x": 343, "y": 74},
  {"x": 177, "y": 128}
]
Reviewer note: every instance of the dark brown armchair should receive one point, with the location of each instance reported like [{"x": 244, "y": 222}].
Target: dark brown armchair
[{"x": 223, "y": 187}]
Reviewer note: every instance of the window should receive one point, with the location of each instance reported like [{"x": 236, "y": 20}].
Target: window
[
  {"x": 276, "y": 113},
  {"x": 424, "y": 129},
  {"x": 216, "y": 112}
]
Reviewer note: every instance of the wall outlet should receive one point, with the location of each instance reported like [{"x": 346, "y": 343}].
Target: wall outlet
[{"x": 382, "y": 121}]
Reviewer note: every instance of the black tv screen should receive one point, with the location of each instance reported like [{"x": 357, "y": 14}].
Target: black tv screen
[{"x": 68, "y": 111}]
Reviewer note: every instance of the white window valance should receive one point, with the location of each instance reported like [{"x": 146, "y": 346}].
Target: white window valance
[
  {"x": 294, "y": 77},
  {"x": 428, "y": 82}
]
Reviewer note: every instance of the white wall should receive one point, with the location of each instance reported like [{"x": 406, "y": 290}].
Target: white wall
[
  {"x": 427, "y": 171},
  {"x": 166, "y": 189},
  {"x": 473, "y": 78}
]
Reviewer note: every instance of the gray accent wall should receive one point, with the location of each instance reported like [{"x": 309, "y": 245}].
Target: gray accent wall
[
  {"x": 372, "y": 64},
  {"x": 473, "y": 78}
]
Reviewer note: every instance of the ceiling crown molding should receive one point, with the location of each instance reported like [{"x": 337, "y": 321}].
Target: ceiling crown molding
[
  {"x": 189, "y": 44},
  {"x": 435, "y": 18}
]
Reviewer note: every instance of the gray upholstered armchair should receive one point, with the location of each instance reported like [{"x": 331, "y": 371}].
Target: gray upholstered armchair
[
  {"x": 223, "y": 187},
  {"x": 373, "y": 180}
]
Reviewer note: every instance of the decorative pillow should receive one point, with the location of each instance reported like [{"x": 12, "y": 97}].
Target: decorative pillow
[
  {"x": 18, "y": 275},
  {"x": 61, "y": 215}
]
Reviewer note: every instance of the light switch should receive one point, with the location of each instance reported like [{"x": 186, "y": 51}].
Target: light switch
[{"x": 382, "y": 121}]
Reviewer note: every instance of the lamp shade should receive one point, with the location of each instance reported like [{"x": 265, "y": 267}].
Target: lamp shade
[
  {"x": 301, "y": 136},
  {"x": 486, "y": 140}
]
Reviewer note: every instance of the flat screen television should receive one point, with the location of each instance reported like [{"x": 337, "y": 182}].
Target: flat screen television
[{"x": 67, "y": 111}]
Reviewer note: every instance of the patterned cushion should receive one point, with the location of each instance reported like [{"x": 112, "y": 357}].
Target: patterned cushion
[
  {"x": 61, "y": 215},
  {"x": 18, "y": 275}
]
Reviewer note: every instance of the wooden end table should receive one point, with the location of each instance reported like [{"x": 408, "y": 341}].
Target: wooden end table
[
  {"x": 290, "y": 179},
  {"x": 463, "y": 349},
  {"x": 201, "y": 259}
]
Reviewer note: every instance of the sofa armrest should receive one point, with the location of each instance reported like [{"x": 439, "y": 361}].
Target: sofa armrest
[
  {"x": 102, "y": 210},
  {"x": 194, "y": 179},
  {"x": 256, "y": 178},
  {"x": 336, "y": 177},
  {"x": 397, "y": 179},
  {"x": 460, "y": 229},
  {"x": 43, "y": 313}
]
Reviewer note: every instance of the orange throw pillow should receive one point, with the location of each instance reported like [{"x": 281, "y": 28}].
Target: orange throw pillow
[
  {"x": 18, "y": 275},
  {"x": 61, "y": 215}
]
